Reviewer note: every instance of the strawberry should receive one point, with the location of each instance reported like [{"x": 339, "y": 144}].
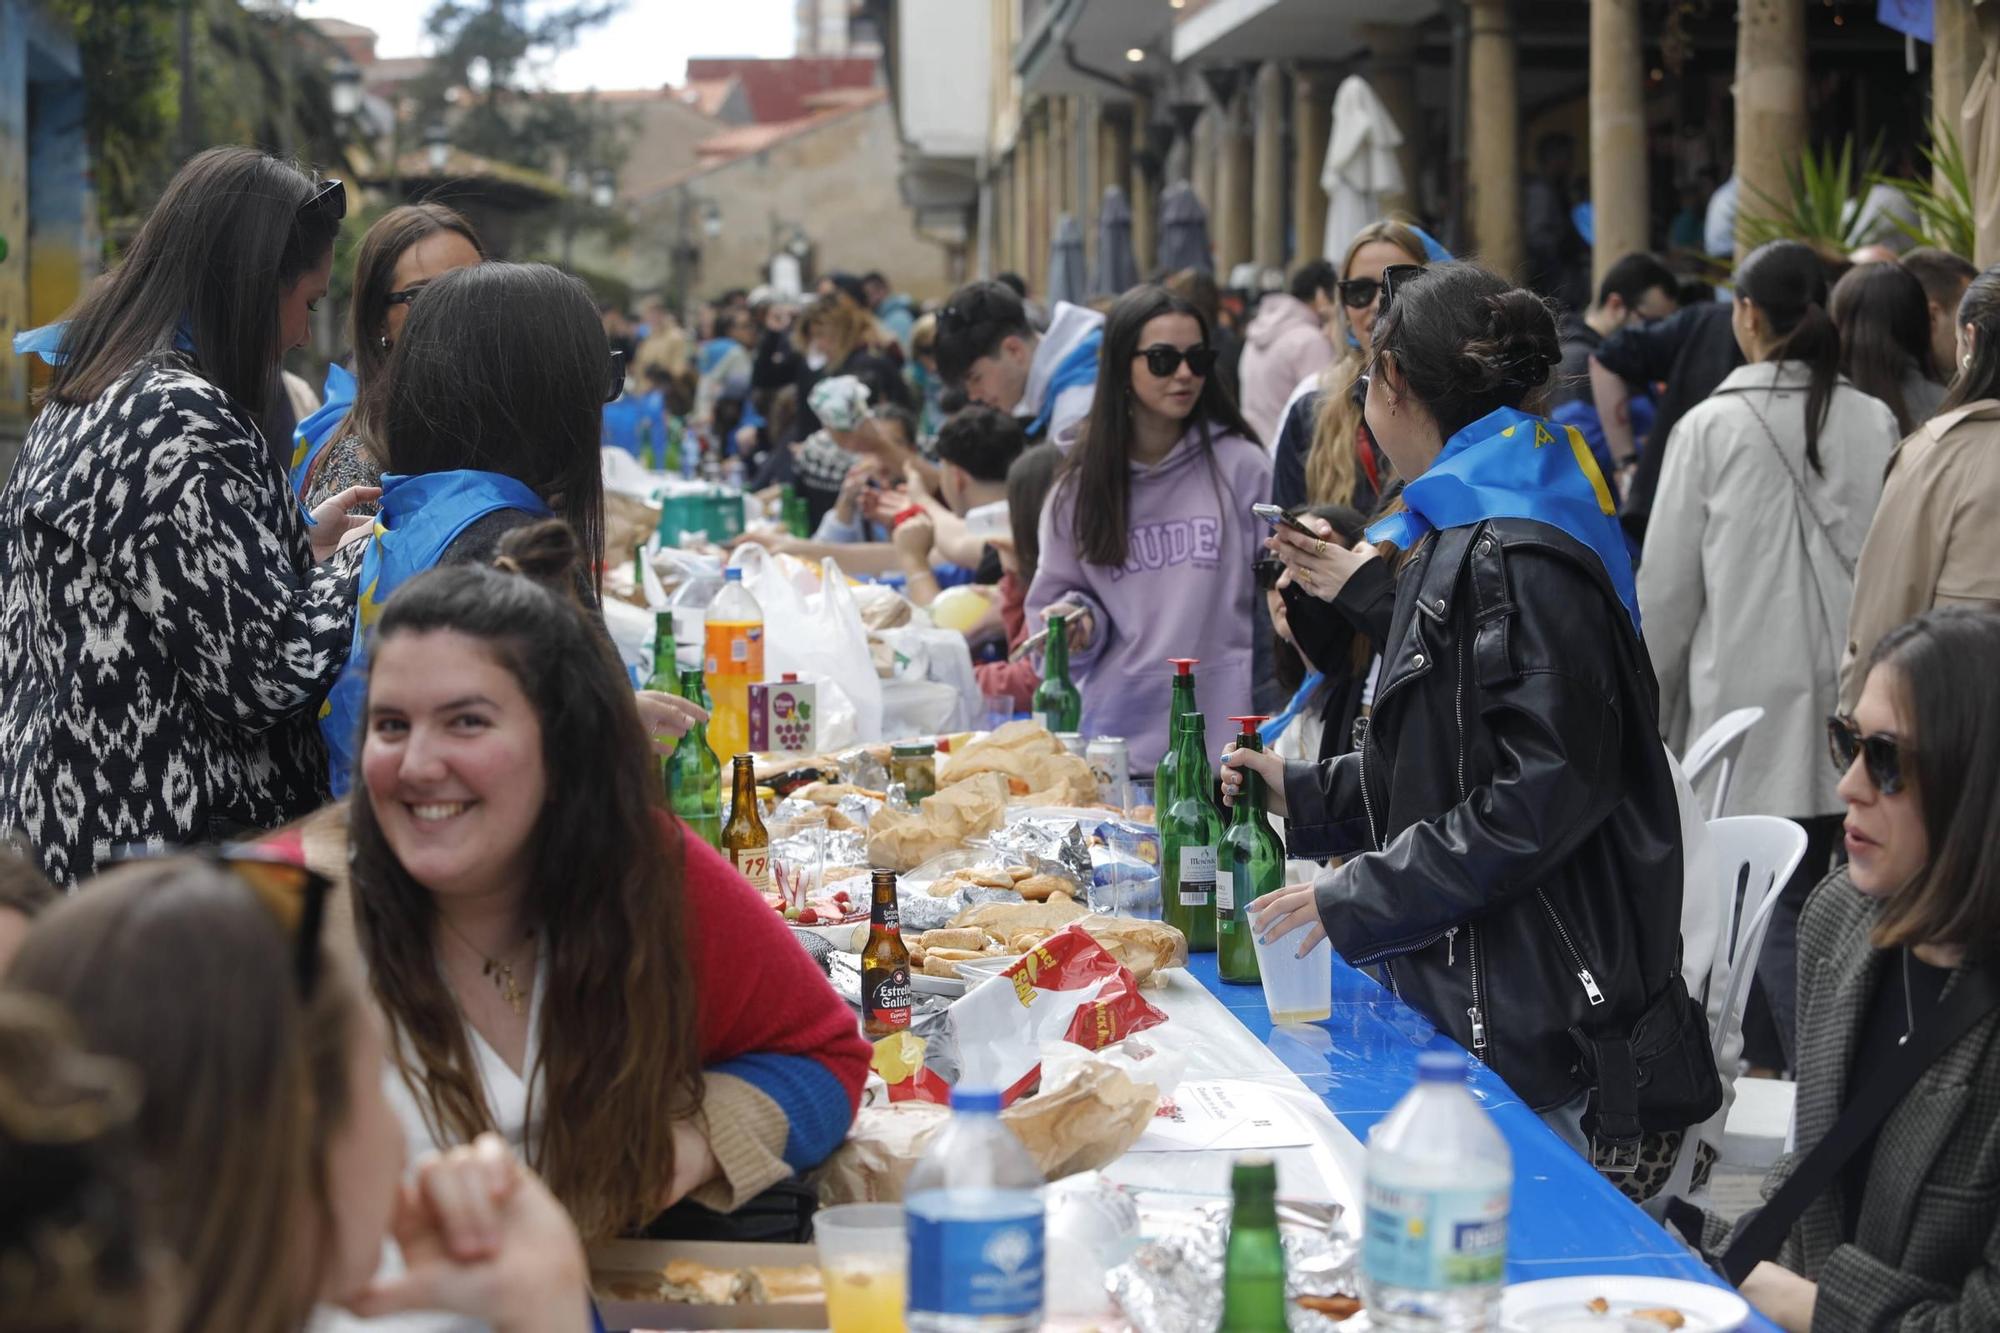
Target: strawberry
[{"x": 808, "y": 917}]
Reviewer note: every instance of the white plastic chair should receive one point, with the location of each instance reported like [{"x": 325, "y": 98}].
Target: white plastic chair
[
  {"x": 1756, "y": 855},
  {"x": 1718, "y": 748}
]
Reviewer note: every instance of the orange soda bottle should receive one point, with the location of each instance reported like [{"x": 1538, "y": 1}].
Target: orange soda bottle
[{"x": 734, "y": 658}]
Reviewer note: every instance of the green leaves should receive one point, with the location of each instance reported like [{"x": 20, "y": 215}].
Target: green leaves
[
  {"x": 1943, "y": 199},
  {"x": 1823, "y": 206}
]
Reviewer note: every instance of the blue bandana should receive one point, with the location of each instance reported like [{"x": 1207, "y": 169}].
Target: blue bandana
[{"x": 313, "y": 434}]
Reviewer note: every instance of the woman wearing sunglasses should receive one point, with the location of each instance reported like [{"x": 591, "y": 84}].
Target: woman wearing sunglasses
[
  {"x": 1897, "y": 1008},
  {"x": 270, "y": 1159},
  {"x": 1147, "y": 540},
  {"x": 168, "y": 620},
  {"x": 342, "y": 444}
]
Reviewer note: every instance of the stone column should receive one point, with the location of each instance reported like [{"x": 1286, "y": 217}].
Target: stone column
[
  {"x": 1142, "y": 191},
  {"x": 1770, "y": 104},
  {"x": 1955, "y": 59},
  {"x": 1206, "y": 152},
  {"x": 1023, "y": 197},
  {"x": 1062, "y": 158},
  {"x": 1268, "y": 170},
  {"x": 1617, "y": 134},
  {"x": 1229, "y": 219},
  {"x": 1312, "y": 121},
  {"x": 1493, "y": 137},
  {"x": 1392, "y": 72},
  {"x": 1041, "y": 205}
]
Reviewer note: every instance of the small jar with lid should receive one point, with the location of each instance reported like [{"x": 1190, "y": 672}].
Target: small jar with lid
[{"x": 913, "y": 765}]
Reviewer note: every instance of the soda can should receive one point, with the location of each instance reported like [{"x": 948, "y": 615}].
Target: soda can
[
  {"x": 1112, "y": 765},
  {"x": 1073, "y": 742}
]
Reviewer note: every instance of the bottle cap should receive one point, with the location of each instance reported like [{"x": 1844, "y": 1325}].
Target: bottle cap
[
  {"x": 1441, "y": 1067},
  {"x": 790, "y": 677},
  {"x": 1182, "y": 665},
  {"x": 1250, "y": 724},
  {"x": 977, "y": 1100},
  {"x": 733, "y": 574}
]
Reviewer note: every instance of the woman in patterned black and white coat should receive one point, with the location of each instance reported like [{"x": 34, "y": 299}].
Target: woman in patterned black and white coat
[{"x": 169, "y": 620}]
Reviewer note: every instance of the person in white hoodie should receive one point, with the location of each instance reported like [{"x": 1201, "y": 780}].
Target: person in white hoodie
[
  {"x": 988, "y": 348},
  {"x": 1287, "y": 344}
]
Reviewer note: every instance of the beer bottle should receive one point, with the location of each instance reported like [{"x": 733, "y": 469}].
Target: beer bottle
[
  {"x": 1250, "y": 865},
  {"x": 1253, "y": 1264},
  {"x": 743, "y": 837},
  {"x": 694, "y": 774},
  {"x": 666, "y": 677},
  {"x": 885, "y": 964},
  {"x": 1056, "y": 704},
  {"x": 1190, "y": 834}
]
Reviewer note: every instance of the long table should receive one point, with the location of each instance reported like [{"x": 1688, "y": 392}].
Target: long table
[{"x": 1567, "y": 1220}]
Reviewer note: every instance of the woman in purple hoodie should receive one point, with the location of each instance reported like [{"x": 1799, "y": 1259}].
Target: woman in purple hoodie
[{"x": 1148, "y": 539}]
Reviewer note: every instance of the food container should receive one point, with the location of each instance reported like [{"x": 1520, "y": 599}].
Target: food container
[
  {"x": 784, "y": 716},
  {"x": 625, "y": 1276},
  {"x": 913, "y": 764},
  {"x": 1111, "y": 764}
]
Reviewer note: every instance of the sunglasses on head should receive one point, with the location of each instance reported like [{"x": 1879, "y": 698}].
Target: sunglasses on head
[
  {"x": 294, "y": 896},
  {"x": 328, "y": 201},
  {"x": 1880, "y": 754},
  {"x": 1164, "y": 361},
  {"x": 1360, "y": 293},
  {"x": 614, "y": 387}
]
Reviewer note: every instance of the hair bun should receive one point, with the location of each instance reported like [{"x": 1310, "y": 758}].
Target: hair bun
[
  {"x": 546, "y": 552},
  {"x": 1520, "y": 347}
]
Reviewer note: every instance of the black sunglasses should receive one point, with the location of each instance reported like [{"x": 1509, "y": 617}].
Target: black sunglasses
[
  {"x": 1881, "y": 755},
  {"x": 1360, "y": 293},
  {"x": 294, "y": 895},
  {"x": 328, "y": 200},
  {"x": 1164, "y": 361},
  {"x": 614, "y": 389}
]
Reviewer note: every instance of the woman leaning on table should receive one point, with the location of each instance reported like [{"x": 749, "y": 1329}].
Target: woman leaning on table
[
  {"x": 168, "y": 619},
  {"x": 1895, "y": 951}
]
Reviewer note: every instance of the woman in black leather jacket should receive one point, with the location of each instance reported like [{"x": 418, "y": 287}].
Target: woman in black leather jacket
[{"x": 1509, "y": 821}]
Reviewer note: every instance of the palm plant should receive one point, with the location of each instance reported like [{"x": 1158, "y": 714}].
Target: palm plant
[
  {"x": 1823, "y": 204},
  {"x": 1942, "y": 199}
]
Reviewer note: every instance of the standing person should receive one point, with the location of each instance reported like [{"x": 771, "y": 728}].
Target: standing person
[
  {"x": 894, "y": 311},
  {"x": 168, "y": 622},
  {"x": 1558, "y": 256},
  {"x": 1945, "y": 277},
  {"x": 342, "y": 444},
  {"x": 1510, "y": 822},
  {"x": 726, "y": 379},
  {"x": 987, "y": 347},
  {"x": 1637, "y": 290},
  {"x": 1147, "y": 540},
  {"x": 1029, "y": 482},
  {"x": 1322, "y": 454},
  {"x": 1905, "y": 1236},
  {"x": 1885, "y": 340},
  {"x": 1748, "y": 569},
  {"x": 1935, "y": 539},
  {"x": 1287, "y": 343}
]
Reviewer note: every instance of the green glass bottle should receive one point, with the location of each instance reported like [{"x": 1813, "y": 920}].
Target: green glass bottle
[
  {"x": 666, "y": 677},
  {"x": 1190, "y": 838},
  {"x": 646, "y": 459},
  {"x": 793, "y": 513},
  {"x": 1251, "y": 864},
  {"x": 1166, "y": 774},
  {"x": 1253, "y": 1265},
  {"x": 671, "y": 449},
  {"x": 1056, "y": 704},
  {"x": 694, "y": 774}
]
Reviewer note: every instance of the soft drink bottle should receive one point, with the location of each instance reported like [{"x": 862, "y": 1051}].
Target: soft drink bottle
[
  {"x": 734, "y": 638},
  {"x": 975, "y": 1226},
  {"x": 1440, "y": 1181}
]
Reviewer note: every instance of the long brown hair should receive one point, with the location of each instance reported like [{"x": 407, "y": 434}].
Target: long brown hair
[
  {"x": 618, "y": 1056},
  {"x": 178, "y": 969},
  {"x": 846, "y": 326},
  {"x": 392, "y": 236},
  {"x": 1330, "y": 466}
]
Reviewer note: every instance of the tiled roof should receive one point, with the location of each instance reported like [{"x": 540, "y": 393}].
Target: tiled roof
[{"x": 776, "y": 90}]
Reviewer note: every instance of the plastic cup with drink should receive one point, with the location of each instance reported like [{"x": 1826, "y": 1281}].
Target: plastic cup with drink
[
  {"x": 1296, "y": 990},
  {"x": 863, "y": 1261}
]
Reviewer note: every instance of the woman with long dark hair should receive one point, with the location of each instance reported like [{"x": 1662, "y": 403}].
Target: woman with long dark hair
[
  {"x": 410, "y": 246},
  {"x": 1885, "y": 340},
  {"x": 1936, "y": 536},
  {"x": 559, "y": 960},
  {"x": 1509, "y": 822},
  {"x": 1748, "y": 572},
  {"x": 168, "y": 621},
  {"x": 1147, "y": 540}
]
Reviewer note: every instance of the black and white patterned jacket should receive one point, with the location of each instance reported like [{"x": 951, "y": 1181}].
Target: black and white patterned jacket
[{"x": 165, "y": 638}]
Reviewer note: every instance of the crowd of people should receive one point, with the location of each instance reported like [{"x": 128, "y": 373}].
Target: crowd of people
[{"x": 1526, "y": 546}]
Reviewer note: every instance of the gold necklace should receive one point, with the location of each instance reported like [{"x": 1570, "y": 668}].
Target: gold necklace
[{"x": 496, "y": 970}]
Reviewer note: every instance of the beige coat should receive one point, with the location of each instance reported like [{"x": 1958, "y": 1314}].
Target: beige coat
[
  {"x": 1936, "y": 536},
  {"x": 1745, "y": 583}
]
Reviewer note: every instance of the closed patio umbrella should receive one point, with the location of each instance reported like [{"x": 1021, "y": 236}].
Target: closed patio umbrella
[
  {"x": 1979, "y": 134},
  {"x": 1066, "y": 265},
  {"x": 1117, "y": 270},
  {"x": 1184, "y": 231},
  {"x": 1361, "y": 169}
]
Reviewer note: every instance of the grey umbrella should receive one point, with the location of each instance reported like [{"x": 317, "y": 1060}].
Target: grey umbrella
[
  {"x": 1066, "y": 270},
  {"x": 1117, "y": 270},
  {"x": 1184, "y": 231}
]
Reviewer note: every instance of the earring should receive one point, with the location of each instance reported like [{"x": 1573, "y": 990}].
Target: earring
[
  {"x": 383, "y": 342},
  {"x": 1965, "y": 361}
]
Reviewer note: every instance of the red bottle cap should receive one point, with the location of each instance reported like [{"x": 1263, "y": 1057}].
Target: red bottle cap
[
  {"x": 1181, "y": 665},
  {"x": 790, "y": 678},
  {"x": 1249, "y": 723}
]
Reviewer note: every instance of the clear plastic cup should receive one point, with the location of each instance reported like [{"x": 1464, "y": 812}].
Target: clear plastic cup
[
  {"x": 999, "y": 710},
  {"x": 1296, "y": 990},
  {"x": 864, "y": 1260}
]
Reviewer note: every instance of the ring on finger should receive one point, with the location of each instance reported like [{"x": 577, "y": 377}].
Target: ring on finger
[{"x": 1319, "y": 548}]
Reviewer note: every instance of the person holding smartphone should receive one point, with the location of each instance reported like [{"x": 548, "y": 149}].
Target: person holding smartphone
[{"x": 1148, "y": 538}]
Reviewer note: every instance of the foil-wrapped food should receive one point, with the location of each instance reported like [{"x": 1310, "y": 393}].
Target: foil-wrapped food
[{"x": 1173, "y": 1283}]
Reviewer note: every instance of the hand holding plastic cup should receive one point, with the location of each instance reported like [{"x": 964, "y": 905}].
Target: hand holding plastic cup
[
  {"x": 864, "y": 1260},
  {"x": 1296, "y": 989}
]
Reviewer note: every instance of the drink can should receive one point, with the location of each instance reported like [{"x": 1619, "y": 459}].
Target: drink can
[
  {"x": 1073, "y": 742},
  {"x": 1112, "y": 764}
]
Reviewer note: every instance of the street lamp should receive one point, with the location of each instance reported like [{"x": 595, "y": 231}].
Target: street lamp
[
  {"x": 346, "y": 89},
  {"x": 437, "y": 144},
  {"x": 711, "y": 221},
  {"x": 603, "y": 188}
]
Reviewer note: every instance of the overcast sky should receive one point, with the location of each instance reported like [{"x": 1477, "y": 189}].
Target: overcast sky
[{"x": 647, "y": 44}]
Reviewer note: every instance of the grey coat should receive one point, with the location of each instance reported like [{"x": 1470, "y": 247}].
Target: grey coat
[{"x": 1927, "y": 1253}]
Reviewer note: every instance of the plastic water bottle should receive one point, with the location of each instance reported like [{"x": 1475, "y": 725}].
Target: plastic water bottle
[
  {"x": 975, "y": 1226},
  {"x": 1440, "y": 1182}
]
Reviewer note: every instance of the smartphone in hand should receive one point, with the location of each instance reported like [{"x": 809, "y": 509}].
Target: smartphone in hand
[{"x": 1276, "y": 516}]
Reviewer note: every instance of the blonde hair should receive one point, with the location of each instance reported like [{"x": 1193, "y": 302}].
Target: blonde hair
[
  {"x": 1330, "y": 469},
  {"x": 846, "y": 326}
]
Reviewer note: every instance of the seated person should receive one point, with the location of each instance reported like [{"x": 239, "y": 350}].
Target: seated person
[
  {"x": 253, "y": 1075},
  {"x": 1029, "y": 482},
  {"x": 988, "y": 347},
  {"x": 559, "y": 960},
  {"x": 1906, "y": 1235},
  {"x": 878, "y": 449},
  {"x": 975, "y": 450}
]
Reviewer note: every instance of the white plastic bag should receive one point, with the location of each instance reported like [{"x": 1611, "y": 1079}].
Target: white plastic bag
[{"x": 819, "y": 636}]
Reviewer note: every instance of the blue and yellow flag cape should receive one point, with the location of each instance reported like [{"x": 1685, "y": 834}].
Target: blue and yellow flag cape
[
  {"x": 420, "y": 518},
  {"x": 312, "y": 434},
  {"x": 1508, "y": 464}
]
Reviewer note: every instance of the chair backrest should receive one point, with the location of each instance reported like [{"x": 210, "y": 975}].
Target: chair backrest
[
  {"x": 1756, "y": 855},
  {"x": 1717, "y": 749}
]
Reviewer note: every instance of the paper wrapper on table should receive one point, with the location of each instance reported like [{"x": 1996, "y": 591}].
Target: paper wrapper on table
[
  {"x": 628, "y": 522},
  {"x": 1174, "y": 1284},
  {"x": 902, "y": 840},
  {"x": 784, "y": 716},
  {"x": 1037, "y": 767},
  {"x": 1144, "y": 947},
  {"x": 881, "y": 606},
  {"x": 1066, "y": 988}
]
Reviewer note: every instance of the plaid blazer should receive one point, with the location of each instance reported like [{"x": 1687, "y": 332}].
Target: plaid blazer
[{"x": 1927, "y": 1252}]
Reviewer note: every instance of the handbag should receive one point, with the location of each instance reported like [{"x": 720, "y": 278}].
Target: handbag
[{"x": 1658, "y": 1078}]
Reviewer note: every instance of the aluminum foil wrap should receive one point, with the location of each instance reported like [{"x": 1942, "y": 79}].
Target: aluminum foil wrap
[
  {"x": 1173, "y": 1284},
  {"x": 861, "y": 768},
  {"x": 1050, "y": 845}
]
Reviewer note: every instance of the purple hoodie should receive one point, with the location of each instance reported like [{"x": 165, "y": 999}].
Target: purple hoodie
[{"x": 1185, "y": 591}]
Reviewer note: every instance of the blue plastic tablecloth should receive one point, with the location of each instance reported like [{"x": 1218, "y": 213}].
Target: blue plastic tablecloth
[{"x": 1567, "y": 1221}]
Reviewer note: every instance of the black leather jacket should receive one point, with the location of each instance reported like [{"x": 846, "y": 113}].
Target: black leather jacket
[{"x": 1511, "y": 823}]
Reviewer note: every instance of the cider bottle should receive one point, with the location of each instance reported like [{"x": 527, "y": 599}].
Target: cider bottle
[
  {"x": 744, "y": 836},
  {"x": 1056, "y": 704},
  {"x": 1190, "y": 836},
  {"x": 694, "y": 774},
  {"x": 1251, "y": 864},
  {"x": 885, "y": 964}
]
